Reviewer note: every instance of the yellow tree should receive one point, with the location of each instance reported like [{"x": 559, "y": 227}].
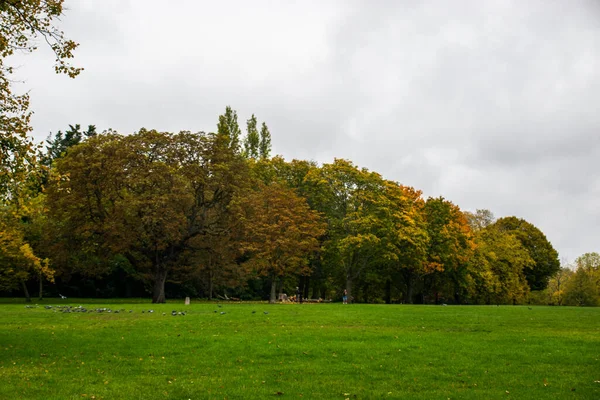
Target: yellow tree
[
  {"x": 496, "y": 273},
  {"x": 451, "y": 246},
  {"x": 401, "y": 225},
  {"x": 279, "y": 232},
  {"x": 22, "y": 22},
  {"x": 17, "y": 260},
  {"x": 555, "y": 292}
]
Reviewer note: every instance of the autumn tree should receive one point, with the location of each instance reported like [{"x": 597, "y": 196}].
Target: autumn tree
[
  {"x": 545, "y": 257},
  {"x": 21, "y": 24},
  {"x": 556, "y": 290},
  {"x": 496, "y": 273},
  {"x": 18, "y": 262},
  {"x": 583, "y": 287},
  {"x": 280, "y": 231},
  {"x": 146, "y": 196},
  {"x": 339, "y": 190},
  {"x": 450, "y": 247},
  {"x": 401, "y": 225}
]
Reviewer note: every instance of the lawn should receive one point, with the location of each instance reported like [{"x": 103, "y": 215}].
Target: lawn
[{"x": 310, "y": 351}]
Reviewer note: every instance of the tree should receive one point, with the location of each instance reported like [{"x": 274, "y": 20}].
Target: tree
[
  {"x": 21, "y": 23},
  {"x": 265, "y": 141},
  {"x": 581, "y": 289},
  {"x": 58, "y": 146},
  {"x": 146, "y": 196},
  {"x": 228, "y": 127},
  {"x": 451, "y": 246},
  {"x": 545, "y": 257},
  {"x": 496, "y": 269},
  {"x": 252, "y": 139},
  {"x": 280, "y": 232},
  {"x": 340, "y": 190},
  {"x": 480, "y": 219},
  {"x": 557, "y": 285},
  {"x": 17, "y": 259},
  {"x": 404, "y": 232}
]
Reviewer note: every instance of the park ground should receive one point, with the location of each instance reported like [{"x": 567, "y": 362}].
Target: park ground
[{"x": 301, "y": 351}]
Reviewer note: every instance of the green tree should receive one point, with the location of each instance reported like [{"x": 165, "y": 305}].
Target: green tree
[
  {"x": 265, "y": 141},
  {"x": 61, "y": 142},
  {"x": 228, "y": 127},
  {"x": 252, "y": 139},
  {"x": 545, "y": 257},
  {"x": 340, "y": 191}
]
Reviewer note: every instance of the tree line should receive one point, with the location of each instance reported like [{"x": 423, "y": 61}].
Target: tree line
[{"x": 213, "y": 214}]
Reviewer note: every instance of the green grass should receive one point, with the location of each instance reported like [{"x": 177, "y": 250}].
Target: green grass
[{"x": 324, "y": 351}]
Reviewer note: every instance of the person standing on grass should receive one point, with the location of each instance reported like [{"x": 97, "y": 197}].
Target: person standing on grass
[
  {"x": 297, "y": 294},
  {"x": 345, "y": 296}
]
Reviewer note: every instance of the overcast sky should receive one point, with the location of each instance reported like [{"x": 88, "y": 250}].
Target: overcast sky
[{"x": 491, "y": 104}]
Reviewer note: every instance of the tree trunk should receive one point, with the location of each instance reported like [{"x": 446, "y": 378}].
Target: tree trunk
[
  {"x": 26, "y": 292},
  {"x": 388, "y": 291},
  {"x": 41, "y": 297},
  {"x": 210, "y": 285},
  {"x": 272, "y": 298},
  {"x": 408, "y": 278},
  {"x": 306, "y": 287},
  {"x": 160, "y": 276}
]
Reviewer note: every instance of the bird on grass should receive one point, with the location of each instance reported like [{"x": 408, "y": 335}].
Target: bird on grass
[
  {"x": 266, "y": 312},
  {"x": 222, "y": 312},
  {"x": 62, "y": 297},
  {"x": 253, "y": 311}
]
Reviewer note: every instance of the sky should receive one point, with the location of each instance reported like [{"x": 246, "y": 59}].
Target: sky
[{"x": 491, "y": 104}]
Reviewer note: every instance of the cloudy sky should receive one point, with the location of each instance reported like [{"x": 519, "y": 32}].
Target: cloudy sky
[{"x": 491, "y": 104}]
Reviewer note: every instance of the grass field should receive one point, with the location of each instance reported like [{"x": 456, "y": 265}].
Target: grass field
[{"x": 309, "y": 351}]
